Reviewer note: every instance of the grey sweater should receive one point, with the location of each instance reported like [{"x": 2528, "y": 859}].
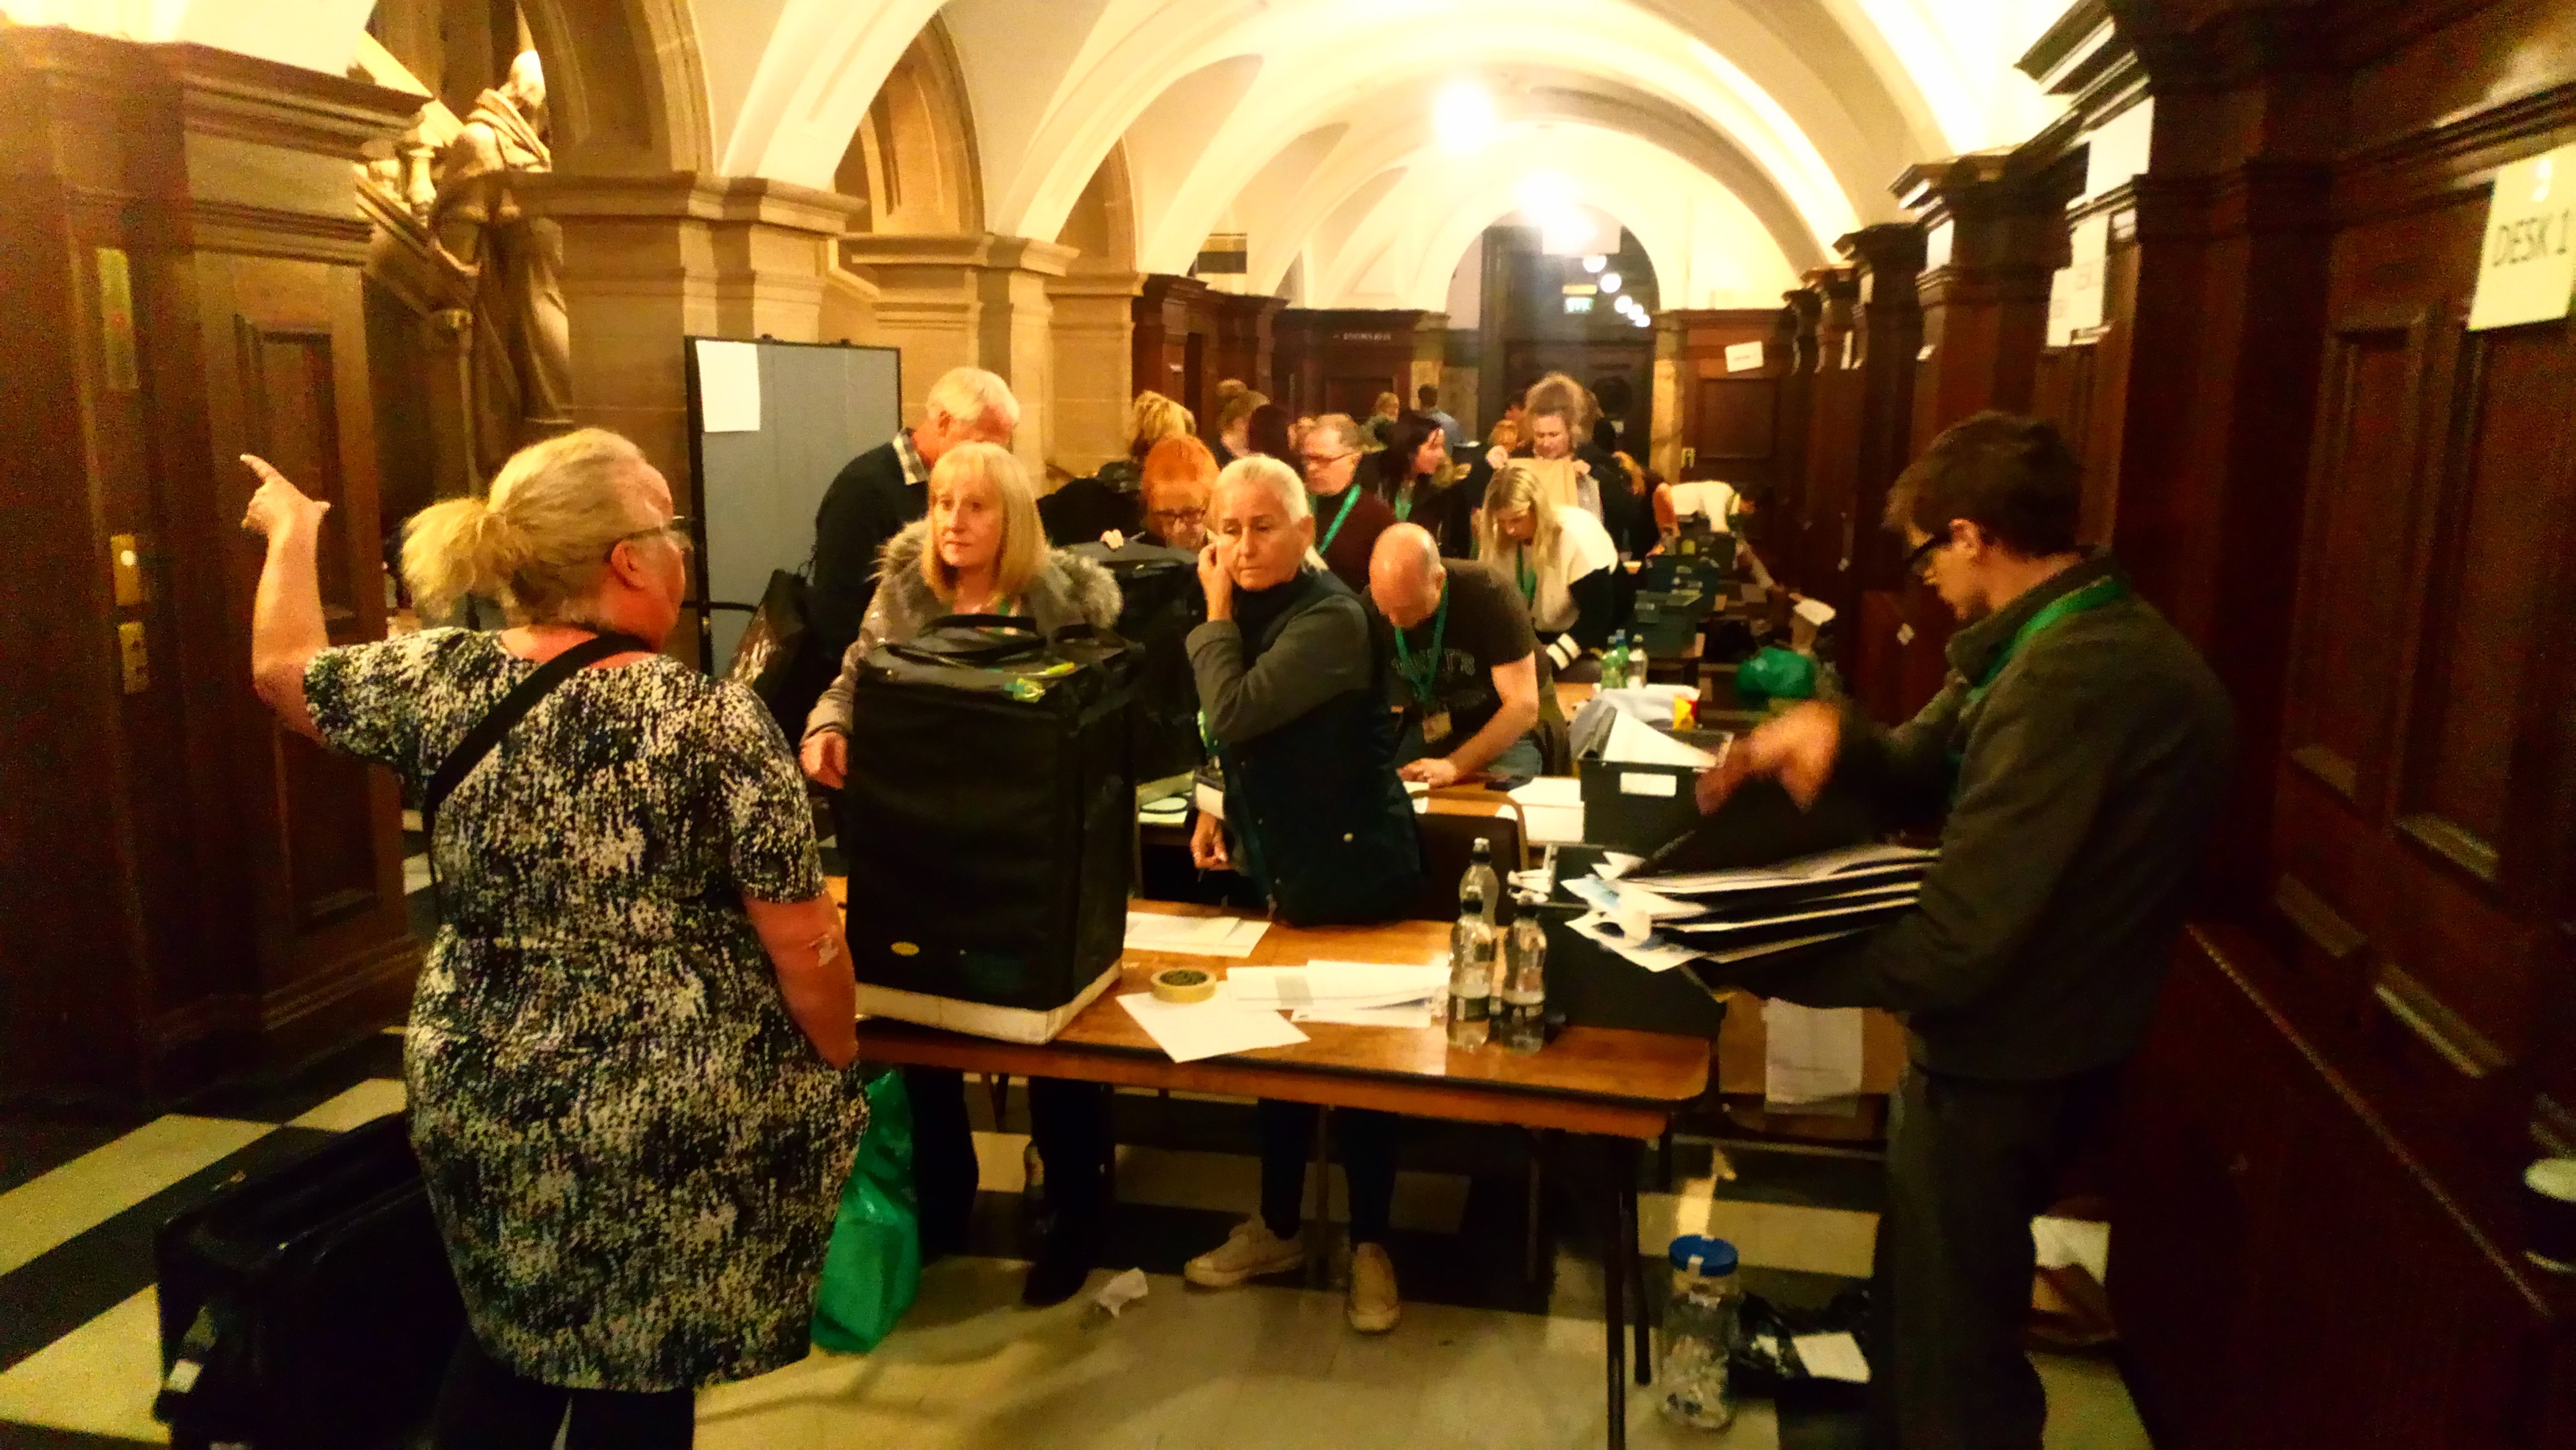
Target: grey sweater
[{"x": 2087, "y": 780}]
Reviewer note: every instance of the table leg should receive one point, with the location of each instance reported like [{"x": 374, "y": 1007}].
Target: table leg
[
  {"x": 1614, "y": 1284},
  {"x": 1636, "y": 1270}
]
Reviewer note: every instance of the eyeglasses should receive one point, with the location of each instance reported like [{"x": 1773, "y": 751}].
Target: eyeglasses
[
  {"x": 1176, "y": 516},
  {"x": 1918, "y": 563},
  {"x": 1315, "y": 461},
  {"x": 675, "y": 528}
]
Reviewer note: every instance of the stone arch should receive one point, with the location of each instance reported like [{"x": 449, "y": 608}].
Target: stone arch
[
  {"x": 913, "y": 158},
  {"x": 625, "y": 84},
  {"x": 1102, "y": 224}
]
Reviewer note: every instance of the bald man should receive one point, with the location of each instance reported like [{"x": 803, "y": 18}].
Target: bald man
[{"x": 1457, "y": 638}]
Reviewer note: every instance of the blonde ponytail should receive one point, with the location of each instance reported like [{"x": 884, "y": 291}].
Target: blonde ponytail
[{"x": 540, "y": 543}]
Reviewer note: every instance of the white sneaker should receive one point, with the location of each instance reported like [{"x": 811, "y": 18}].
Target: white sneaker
[
  {"x": 1373, "y": 1306},
  {"x": 1249, "y": 1252}
]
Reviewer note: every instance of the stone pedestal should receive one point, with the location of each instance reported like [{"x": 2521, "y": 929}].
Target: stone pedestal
[
  {"x": 1094, "y": 328},
  {"x": 978, "y": 299}
]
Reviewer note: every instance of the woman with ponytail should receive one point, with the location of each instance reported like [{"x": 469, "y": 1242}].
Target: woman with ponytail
[{"x": 625, "y": 1053}]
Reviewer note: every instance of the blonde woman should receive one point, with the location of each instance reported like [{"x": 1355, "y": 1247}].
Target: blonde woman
[
  {"x": 635, "y": 934},
  {"x": 1234, "y": 425},
  {"x": 1561, "y": 560},
  {"x": 981, "y": 551}
]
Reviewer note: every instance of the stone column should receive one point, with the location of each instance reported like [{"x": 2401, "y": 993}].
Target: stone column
[
  {"x": 1095, "y": 326},
  {"x": 1994, "y": 238},
  {"x": 649, "y": 260},
  {"x": 980, "y": 300}
]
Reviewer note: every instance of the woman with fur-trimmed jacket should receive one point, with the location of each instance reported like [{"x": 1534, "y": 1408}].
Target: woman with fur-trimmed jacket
[{"x": 982, "y": 550}]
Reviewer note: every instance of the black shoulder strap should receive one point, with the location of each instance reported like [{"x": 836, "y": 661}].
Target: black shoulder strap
[{"x": 487, "y": 732}]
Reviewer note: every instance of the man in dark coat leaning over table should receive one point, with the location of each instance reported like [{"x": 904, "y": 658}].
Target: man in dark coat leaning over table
[
  {"x": 2076, "y": 759},
  {"x": 1313, "y": 814}
]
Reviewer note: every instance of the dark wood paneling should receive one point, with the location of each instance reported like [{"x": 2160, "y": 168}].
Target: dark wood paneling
[{"x": 1339, "y": 361}]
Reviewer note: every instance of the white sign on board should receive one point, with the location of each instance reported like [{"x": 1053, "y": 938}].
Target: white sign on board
[
  {"x": 1743, "y": 357},
  {"x": 2527, "y": 266}
]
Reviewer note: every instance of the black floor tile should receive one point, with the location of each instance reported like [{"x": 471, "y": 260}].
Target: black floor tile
[
  {"x": 73, "y": 1283},
  {"x": 378, "y": 1054},
  {"x": 37, "y": 1140},
  {"x": 39, "y": 1437}
]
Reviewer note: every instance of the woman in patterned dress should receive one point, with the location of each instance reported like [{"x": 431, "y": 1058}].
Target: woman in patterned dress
[{"x": 626, "y": 1047}]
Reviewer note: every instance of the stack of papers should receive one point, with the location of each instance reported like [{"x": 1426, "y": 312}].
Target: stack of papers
[
  {"x": 1189, "y": 1031},
  {"x": 1661, "y": 921},
  {"x": 1356, "y": 994},
  {"x": 1195, "y": 936}
]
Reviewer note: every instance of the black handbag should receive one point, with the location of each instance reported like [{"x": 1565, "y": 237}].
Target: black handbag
[
  {"x": 778, "y": 657},
  {"x": 308, "y": 1307},
  {"x": 988, "y": 819}
]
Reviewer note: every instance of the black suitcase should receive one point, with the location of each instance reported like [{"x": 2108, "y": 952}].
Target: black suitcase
[
  {"x": 1161, "y": 601},
  {"x": 313, "y": 1301},
  {"x": 991, "y": 805}
]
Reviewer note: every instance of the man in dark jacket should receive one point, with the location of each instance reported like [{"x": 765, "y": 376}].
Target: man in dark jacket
[
  {"x": 1313, "y": 814},
  {"x": 887, "y": 487},
  {"x": 2076, "y": 758}
]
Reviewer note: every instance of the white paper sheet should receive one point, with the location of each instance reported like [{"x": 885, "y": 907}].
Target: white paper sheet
[
  {"x": 1810, "y": 1054},
  {"x": 1875, "y": 863},
  {"x": 728, "y": 386},
  {"x": 1615, "y": 864},
  {"x": 1196, "y": 936},
  {"x": 1551, "y": 790},
  {"x": 1634, "y": 742},
  {"x": 1554, "y": 825},
  {"x": 1832, "y": 1357},
  {"x": 1836, "y": 915},
  {"x": 1411, "y": 1015},
  {"x": 1189, "y": 1031},
  {"x": 1336, "y": 984}
]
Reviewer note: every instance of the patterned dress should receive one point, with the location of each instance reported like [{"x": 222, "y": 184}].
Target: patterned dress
[{"x": 633, "y": 1153}]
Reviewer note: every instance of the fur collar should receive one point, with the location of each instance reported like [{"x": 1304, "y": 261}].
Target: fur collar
[{"x": 1069, "y": 590}]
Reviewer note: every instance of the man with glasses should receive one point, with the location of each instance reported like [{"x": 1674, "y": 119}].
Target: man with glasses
[
  {"x": 2075, "y": 761},
  {"x": 1348, "y": 518}
]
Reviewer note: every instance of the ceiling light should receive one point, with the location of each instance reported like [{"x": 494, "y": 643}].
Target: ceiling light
[
  {"x": 1595, "y": 263},
  {"x": 1463, "y": 117},
  {"x": 1641, "y": 319},
  {"x": 1609, "y": 281}
]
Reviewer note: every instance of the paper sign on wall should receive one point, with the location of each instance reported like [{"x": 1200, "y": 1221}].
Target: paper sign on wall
[
  {"x": 1743, "y": 357},
  {"x": 2528, "y": 267},
  {"x": 2075, "y": 294},
  {"x": 728, "y": 386}
]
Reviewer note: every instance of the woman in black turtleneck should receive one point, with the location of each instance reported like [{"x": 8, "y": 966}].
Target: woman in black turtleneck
[{"x": 1410, "y": 473}]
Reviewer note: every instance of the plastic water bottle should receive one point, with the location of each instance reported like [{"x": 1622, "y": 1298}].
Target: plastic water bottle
[
  {"x": 1518, "y": 1018},
  {"x": 1480, "y": 882},
  {"x": 1614, "y": 662},
  {"x": 1633, "y": 668},
  {"x": 1471, "y": 973}
]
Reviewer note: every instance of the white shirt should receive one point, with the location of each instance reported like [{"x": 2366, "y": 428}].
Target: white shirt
[
  {"x": 1583, "y": 547},
  {"x": 1717, "y": 500}
]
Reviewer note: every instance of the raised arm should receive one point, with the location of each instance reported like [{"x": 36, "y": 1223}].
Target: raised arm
[{"x": 286, "y": 629}]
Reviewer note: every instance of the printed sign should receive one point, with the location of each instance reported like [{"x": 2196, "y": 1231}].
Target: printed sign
[
  {"x": 2528, "y": 268},
  {"x": 1743, "y": 357}
]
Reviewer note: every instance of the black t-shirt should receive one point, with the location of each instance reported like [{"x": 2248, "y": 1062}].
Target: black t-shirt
[{"x": 1488, "y": 625}]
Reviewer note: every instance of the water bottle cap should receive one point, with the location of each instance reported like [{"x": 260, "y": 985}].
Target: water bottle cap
[
  {"x": 1484, "y": 848},
  {"x": 1707, "y": 1257}
]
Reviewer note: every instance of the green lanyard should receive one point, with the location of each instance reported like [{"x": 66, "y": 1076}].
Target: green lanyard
[
  {"x": 1404, "y": 505},
  {"x": 1350, "y": 496},
  {"x": 1429, "y": 674},
  {"x": 2101, "y": 591},
  {"x": 1528, "y": 576}
]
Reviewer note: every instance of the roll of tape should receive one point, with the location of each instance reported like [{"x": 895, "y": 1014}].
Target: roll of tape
[
  {"x": 2549, "y": 1208},
  {"x": 1184, "y": 984}
]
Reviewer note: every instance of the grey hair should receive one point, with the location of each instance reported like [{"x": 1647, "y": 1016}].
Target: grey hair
[
  {"x": 1282, "y": 482},
  {"x": 972, "y": 396},
  {"x": 1344, "y": 427}
]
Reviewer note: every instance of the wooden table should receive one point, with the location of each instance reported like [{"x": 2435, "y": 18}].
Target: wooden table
[{"x": 1615, "y": 1089}]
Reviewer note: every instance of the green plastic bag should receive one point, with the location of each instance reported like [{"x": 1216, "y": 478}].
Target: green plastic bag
[
  {"x": 873, "y": 1268},
  {"x": 1775, "y": 674}
]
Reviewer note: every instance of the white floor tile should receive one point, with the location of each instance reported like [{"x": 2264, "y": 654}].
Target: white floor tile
[
  {"x": 104, "y": 1182},
  {"x": 1768, "y": 1235},
  {"x": 99, "y": 1379},
  {"x": 364, "y": 1103},
  {"x": 415, "y": 874}
]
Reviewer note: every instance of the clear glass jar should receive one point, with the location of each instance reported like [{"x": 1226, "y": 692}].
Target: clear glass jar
[{"x": 1699, "y": 1333}]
